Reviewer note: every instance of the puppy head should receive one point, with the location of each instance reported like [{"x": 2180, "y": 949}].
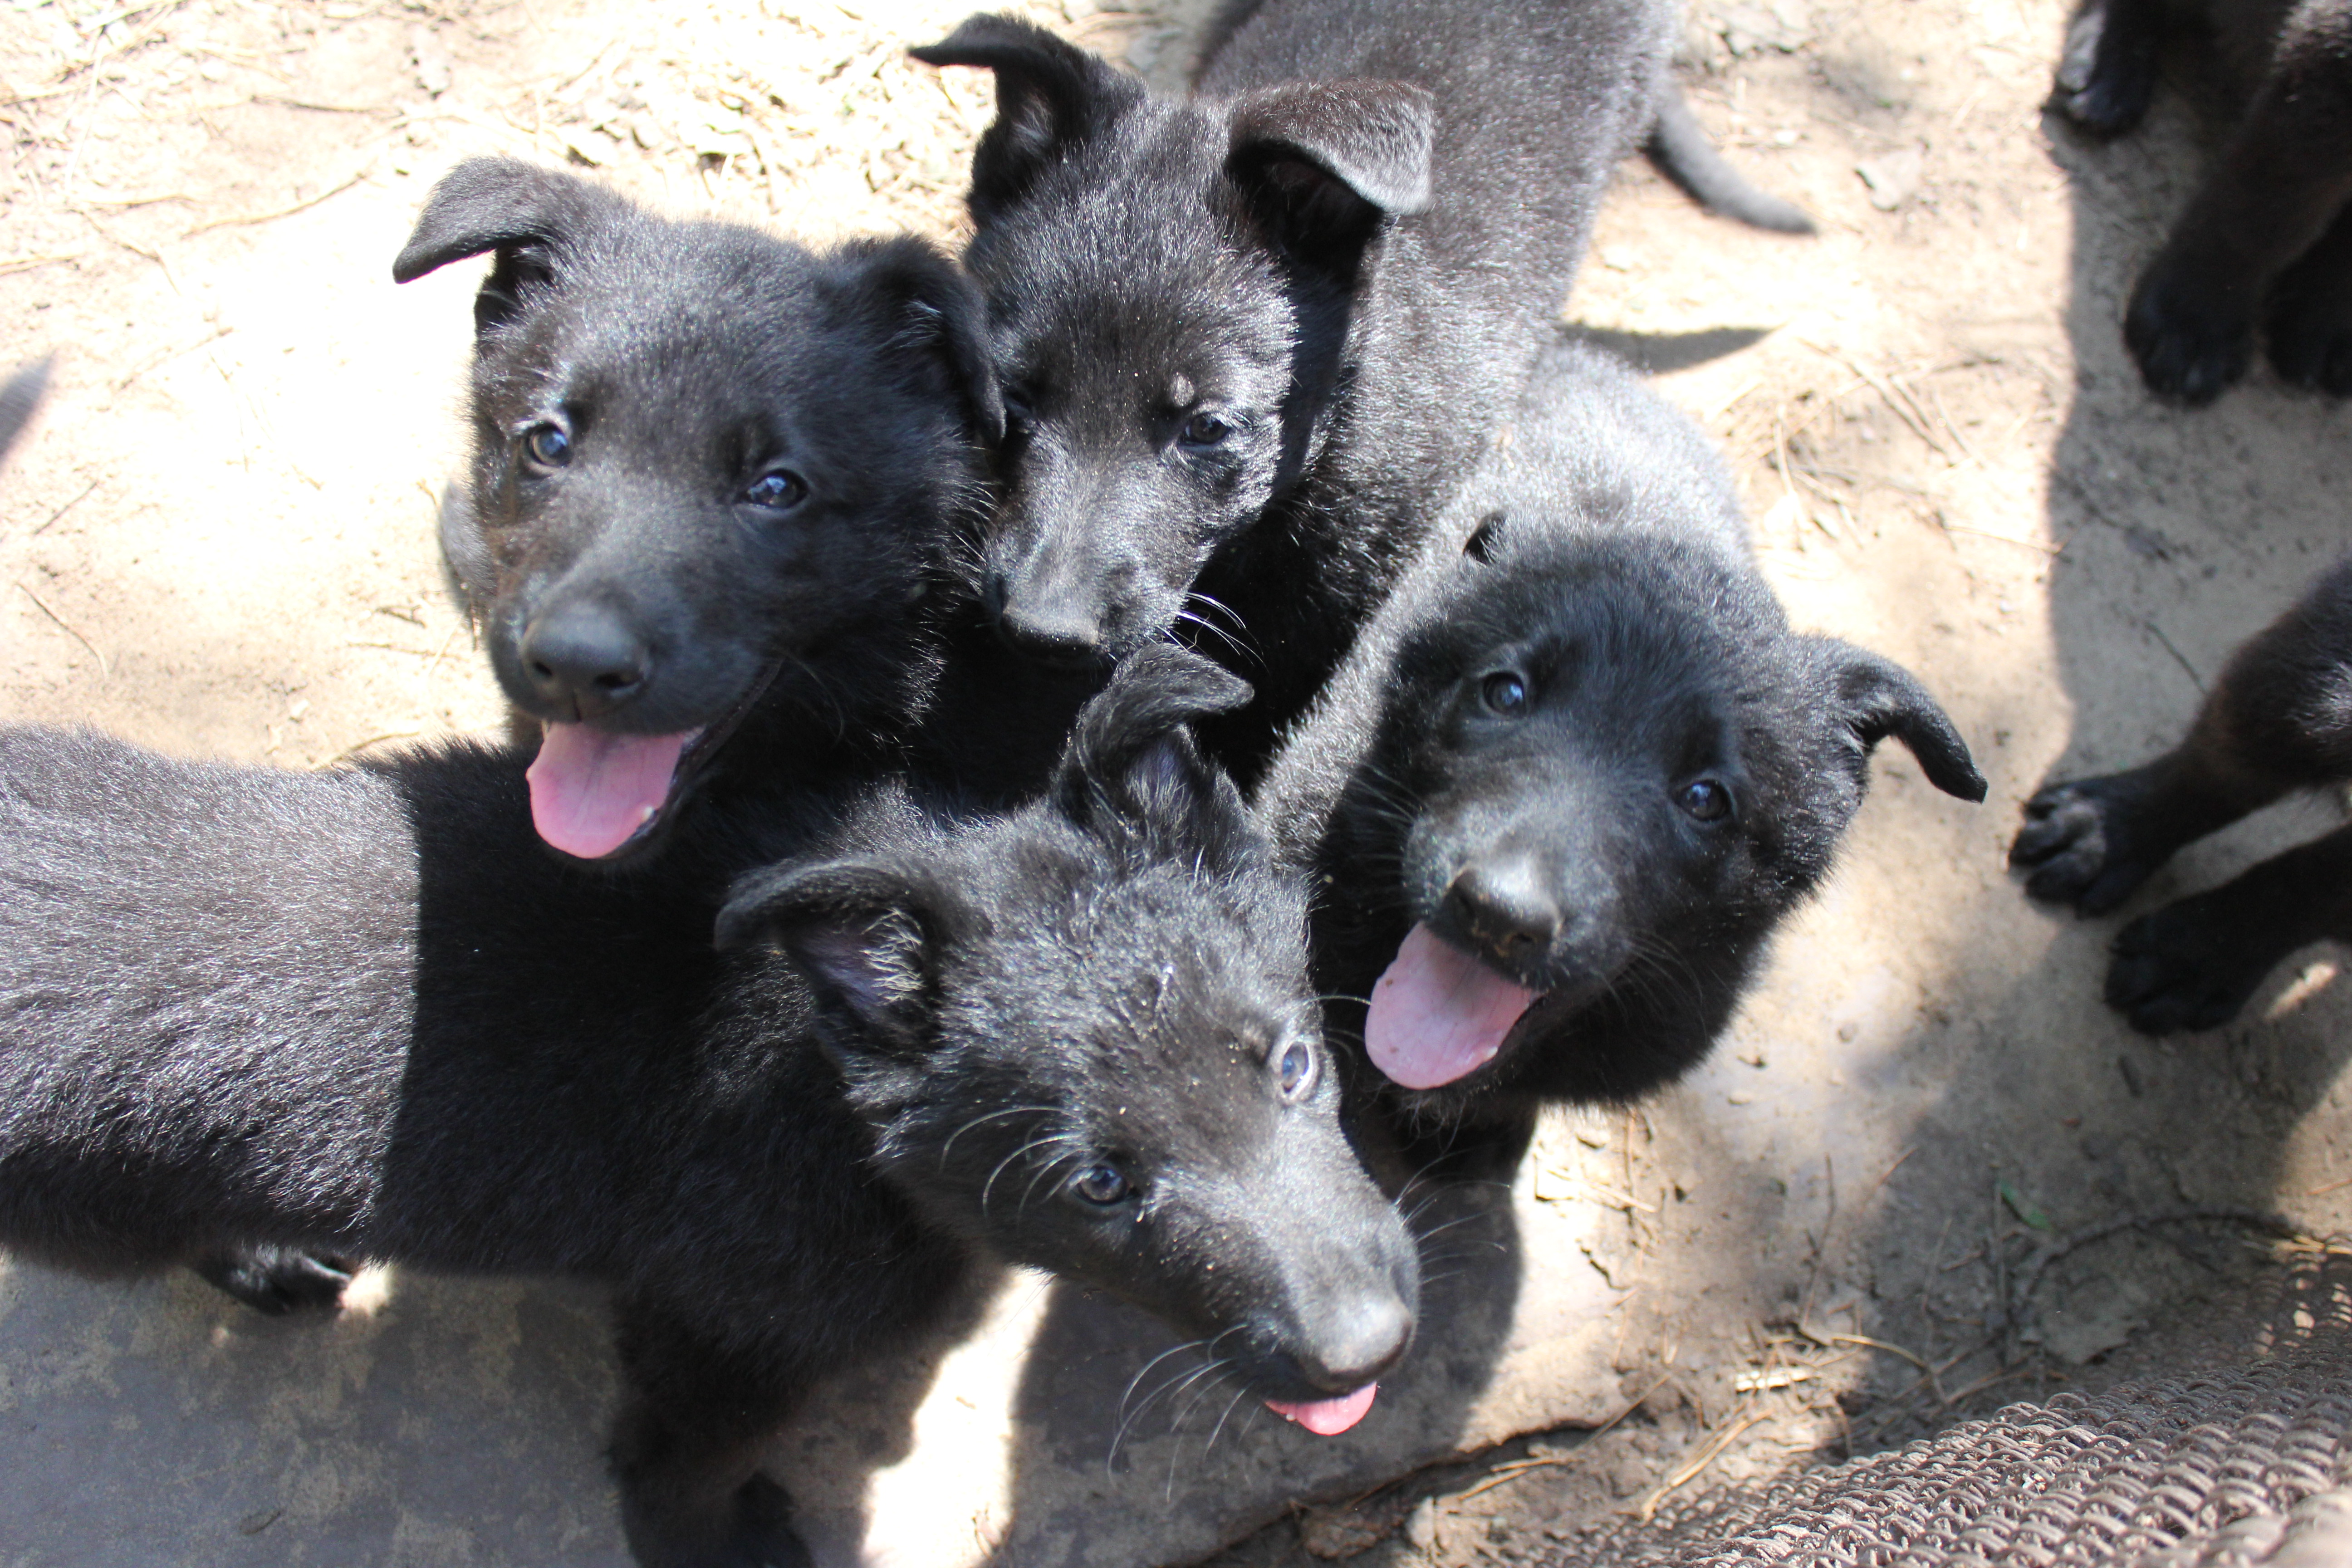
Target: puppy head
[
  {"x": 1606, "y": 770},
  {"x": 1085, "y": 1038},
  {"x": 1169, "y": 288},
  {"x": 705, "y": 461}
]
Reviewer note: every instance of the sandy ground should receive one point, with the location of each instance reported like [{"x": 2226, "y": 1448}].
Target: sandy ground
[{"x": 217, "y": 541}]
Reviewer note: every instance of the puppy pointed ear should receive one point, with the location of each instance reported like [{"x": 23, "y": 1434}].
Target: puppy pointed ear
[
  {"x": 528, "y": 215},
  {"x": 1050, "y": 95},
  {"x": 1132, "y": 771},
  {"x": 1876, "y": 697},
  {"x": 1325, "y": 164},
  {"x": 867, "y": 936},
  {"x": 931, "y": 307}
]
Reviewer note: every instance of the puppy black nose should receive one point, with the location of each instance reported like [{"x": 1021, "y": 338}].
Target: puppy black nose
[
  {"x": 1356, "y": 1343},
  {"x": 583, "y": 658},
  {"x": 1503, "y": 905},
  {"x": 1051, "y": 634}
]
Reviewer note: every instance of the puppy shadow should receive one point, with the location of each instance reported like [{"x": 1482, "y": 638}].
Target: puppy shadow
[
  {"x": 1130, "y": 1447},
  {"x": 445, "y": 1420}
]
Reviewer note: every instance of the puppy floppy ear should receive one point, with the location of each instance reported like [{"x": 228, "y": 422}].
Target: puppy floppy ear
[
  {"x": 867, "y": 935},
  {"x": 1875, "y": 698},
  {"x": 1050, "y": 95},
  {"x": 1326, "y": 163},
  {"x": 932, "y": 308},
  {"x": 1132, "y": 773},
  {"x": 528, "y": 215}
]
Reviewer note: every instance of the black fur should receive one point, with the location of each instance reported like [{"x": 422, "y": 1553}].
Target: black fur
[
  {"x": 1249, "y": 339},
  {"x": 2279, "y": 721},
  {"x": 641, "y": 584},
  {"x": 357, "y": 1014},
  {"x": 2266, "y": 246},
  {"x": 1598, "y": 559}
]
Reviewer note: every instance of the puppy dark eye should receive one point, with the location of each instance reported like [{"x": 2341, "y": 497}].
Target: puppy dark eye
[
  {"x": 779, "y": 490},
  {"x": 1506, "y": 693},
  {"x": 1296, "y": 1069},
  {"x": 1020, "y": 408},
  {"x": 1705, "y": 799},
  {"x": 549, "y": 446},
  {"x": 1103, "y": 1185},
  {"x": 1204, "y": 430}
]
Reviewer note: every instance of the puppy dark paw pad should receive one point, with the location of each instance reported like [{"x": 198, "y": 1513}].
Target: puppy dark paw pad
[
  {"x": 2177, "y": 971},
  {"x": 2192, "y": 341},
  {"x": 2078, "y": 844},
  {"x": 279, "y": 1280}
]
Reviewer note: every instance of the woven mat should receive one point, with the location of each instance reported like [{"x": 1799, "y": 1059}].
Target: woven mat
[{"x": 2239, "y": 1453}]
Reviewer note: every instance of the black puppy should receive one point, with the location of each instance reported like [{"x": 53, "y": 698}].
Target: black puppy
[
  {"x": 713, "y": 476},
  {"x": 359, "y": 1012},
  {"x": 2266, "y": 243},
  {"x": 2279, "y": 721},
  {"x": 1574, "y": 774},
  {"x": 1252, "y": 338}
]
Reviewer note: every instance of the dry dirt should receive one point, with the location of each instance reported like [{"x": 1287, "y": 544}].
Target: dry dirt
[{"x": 216, "y": 540}]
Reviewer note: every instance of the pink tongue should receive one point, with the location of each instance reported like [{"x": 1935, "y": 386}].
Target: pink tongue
[
  {"x": 591, "y": 790},
  {"x": 1438, "y": 1013},
  {"x": 1327, "y": 1417}
]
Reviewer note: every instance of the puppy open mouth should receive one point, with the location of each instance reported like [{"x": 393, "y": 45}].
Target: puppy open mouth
[
  {"x": 1327, "y": 1418},
  {"x": 594, "y": 793},
  {"x": 1439, "y": 1013}
]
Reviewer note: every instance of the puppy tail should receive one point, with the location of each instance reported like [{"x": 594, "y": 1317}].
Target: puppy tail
[{"x": 1679, "y": 149}]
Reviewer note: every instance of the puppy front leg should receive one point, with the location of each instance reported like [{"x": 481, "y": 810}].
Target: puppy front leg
[
  {"x": 2285, "y": 175},
  {"x": 686, "y": 1449},
  {"x": 2310, "y": 324},
  {"x": 2279, "y": 719},
  {"x": 2195, "y": 964}
]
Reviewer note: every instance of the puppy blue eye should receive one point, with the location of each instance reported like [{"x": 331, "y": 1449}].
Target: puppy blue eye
[
  {"x": 779, "y": 490},
  {"x": 549, "y": 446},
  {"x": 1706, "y": 800},
  {"x": 1507, "y": 694},
  {"x": 1204, "y": 430},
  {"x": 1295, "y": 1067},
  {"x": 1104, "y": 1184}
]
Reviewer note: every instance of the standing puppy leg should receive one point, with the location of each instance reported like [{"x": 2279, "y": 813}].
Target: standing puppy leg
[
  {"x": 2194, "y": 963},
  {"x": 2279, "y": 719},
  {"x": 2108, "y": 73},
  {"x": 686, "y": 1449},
  {"x": 2283, "y": 179},
  {"x": 2310, "y": 325}
]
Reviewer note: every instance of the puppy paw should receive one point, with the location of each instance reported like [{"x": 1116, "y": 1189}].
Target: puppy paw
[
  {"x": 2190, "y": 965},
  {"x": 2191, "y": 332},
  {"x": 752, "y": 1529},
  {"x": 2310, "y": 332},
  {"x": 2106, "y": 77},
  {"x": 279, "y": 1280},
  {"x": 2090, "y": 844}
]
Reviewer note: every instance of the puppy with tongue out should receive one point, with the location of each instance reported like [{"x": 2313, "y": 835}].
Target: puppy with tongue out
[
  {"x": 713, "y": 473},
  {"x": 1574, "y": 772}
]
